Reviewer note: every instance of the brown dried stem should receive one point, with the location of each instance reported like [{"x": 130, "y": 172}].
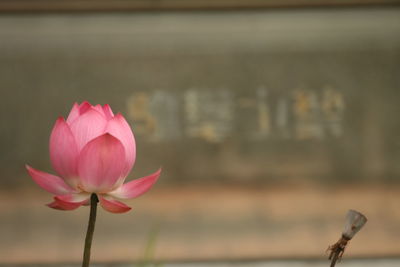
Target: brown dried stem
[{"x": 337, "y": 250}]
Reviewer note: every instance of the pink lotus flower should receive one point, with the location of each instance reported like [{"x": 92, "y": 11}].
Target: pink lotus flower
[{"x": 92, "y": 151}]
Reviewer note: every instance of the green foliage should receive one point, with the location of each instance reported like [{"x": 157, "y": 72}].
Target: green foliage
[{"x": 149, "y": 250}]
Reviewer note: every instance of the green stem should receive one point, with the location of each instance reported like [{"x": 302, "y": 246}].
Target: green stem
[{"x": 90, "y": 230}]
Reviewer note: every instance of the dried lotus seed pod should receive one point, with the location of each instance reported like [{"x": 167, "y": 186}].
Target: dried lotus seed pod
[{"x": 354, "y": 222}]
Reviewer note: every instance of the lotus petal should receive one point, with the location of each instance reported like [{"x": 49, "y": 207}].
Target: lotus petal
[
  {"x": 113, "y": 205},
  {"x": 136, "y": 187},
  {"x": 51, "y": 183},
  {"x": 60, "y": 204},
  {"x": 118, "y": 127},
  {"x": 87, "y": 127},
  {"x": 63, "y": 150},
  {"x": 101, "y": 164},
  {"x": 108, "y": 111}
]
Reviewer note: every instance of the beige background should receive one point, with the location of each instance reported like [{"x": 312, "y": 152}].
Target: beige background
[{"x": 268, "y": 125}]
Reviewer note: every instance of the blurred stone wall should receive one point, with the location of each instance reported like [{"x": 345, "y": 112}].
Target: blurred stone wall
[{"x": 222, "y": 97}]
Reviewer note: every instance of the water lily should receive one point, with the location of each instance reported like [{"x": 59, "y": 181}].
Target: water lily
[{"x": 92, "y": 152}]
